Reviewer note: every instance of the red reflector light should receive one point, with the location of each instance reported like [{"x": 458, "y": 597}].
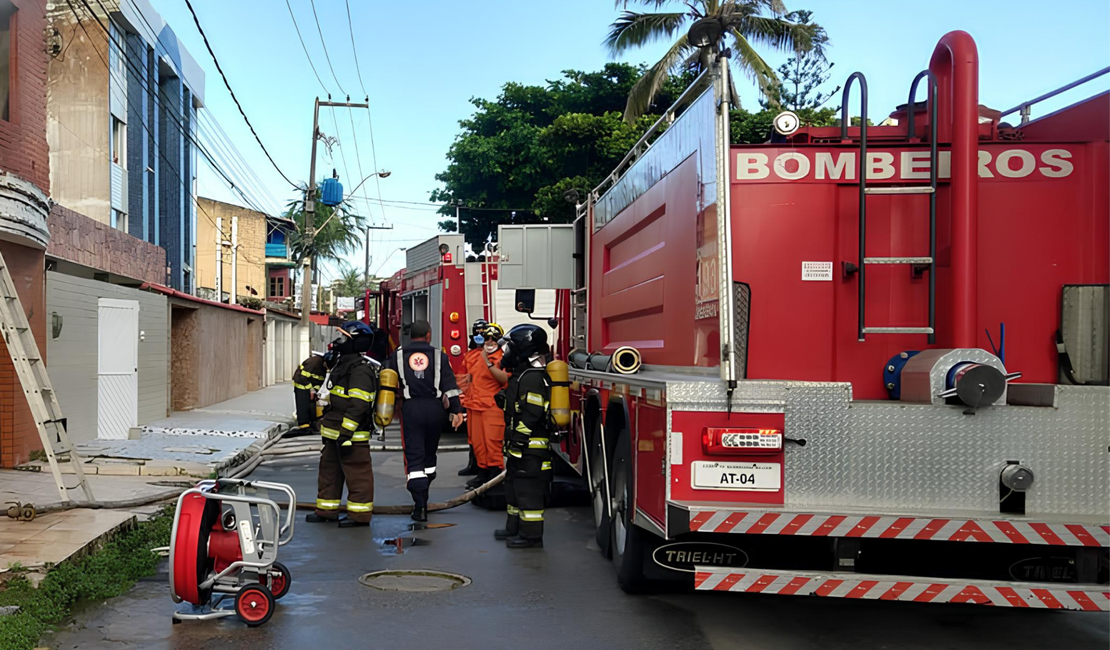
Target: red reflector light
[
  {"x": 454, "y": 334},
  {"x": 741, "y": 441}
]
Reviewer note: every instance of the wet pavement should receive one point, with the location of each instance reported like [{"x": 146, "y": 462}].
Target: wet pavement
[{"x": 562, "y": 596}]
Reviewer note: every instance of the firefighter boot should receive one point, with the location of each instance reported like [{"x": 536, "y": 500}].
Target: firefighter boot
[
  {"x": 314, "y": 518},
  {"x": 511, "y": 529},
  {"x": 347, "y": 522},
  {"x": 524, "y": 542},
  {"x": 471, "y": 467},
  {"x": 483, "y": 477}
]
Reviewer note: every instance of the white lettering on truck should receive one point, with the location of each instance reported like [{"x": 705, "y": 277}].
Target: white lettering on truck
[
  {"x": 911, "y": 165},
  {"x": 836, "y": 167},
  {"x": 1058, "y": 166}
]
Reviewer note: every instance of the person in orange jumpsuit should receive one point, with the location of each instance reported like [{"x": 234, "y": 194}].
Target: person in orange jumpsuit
[
  {"x": 473, "y": 349},
  {"x": 485, "y": 422}
]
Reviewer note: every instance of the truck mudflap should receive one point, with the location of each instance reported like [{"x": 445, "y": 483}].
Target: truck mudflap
[
  {"x": 1091, "y": 598},
  {"x": 1064, "y": 531}
]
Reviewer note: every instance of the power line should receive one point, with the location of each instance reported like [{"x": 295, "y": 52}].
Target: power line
[
  {"x": 236, "y": 155},
  {"x": 304, "y": 47},
  {"x": 142, "y": 121},
  {"x": 351, "y": 29},
  {"x": 236, "y": 186},
  {"x": 324, "y": 43},
  {"x": 208, "y": 45}
]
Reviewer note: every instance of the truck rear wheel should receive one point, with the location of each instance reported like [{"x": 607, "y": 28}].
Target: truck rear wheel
[
  {"x": 627, "y": 538},
  {"x": 598, "y": 494}
]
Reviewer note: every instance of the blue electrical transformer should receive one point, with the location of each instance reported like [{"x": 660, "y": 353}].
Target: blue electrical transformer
[{"x": 331, "y": 191}]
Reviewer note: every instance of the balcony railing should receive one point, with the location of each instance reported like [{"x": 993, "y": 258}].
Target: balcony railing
[{"x": 277, "y": 250}]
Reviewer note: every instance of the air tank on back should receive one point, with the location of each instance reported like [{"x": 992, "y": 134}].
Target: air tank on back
[{"x": 387, "y": 397}]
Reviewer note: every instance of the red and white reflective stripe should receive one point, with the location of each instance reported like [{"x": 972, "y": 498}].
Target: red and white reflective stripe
[
  {"x": 890, "y": 527},
  {"x": 1056, "y": 596}
]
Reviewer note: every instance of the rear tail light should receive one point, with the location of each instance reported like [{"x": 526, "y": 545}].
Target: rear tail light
[{"x": 741, "y": 441}]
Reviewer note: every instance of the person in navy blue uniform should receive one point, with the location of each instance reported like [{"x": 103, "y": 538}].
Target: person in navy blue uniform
[{"x": 429, "y": 397}]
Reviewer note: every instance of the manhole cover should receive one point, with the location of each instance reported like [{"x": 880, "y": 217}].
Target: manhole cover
[{"x": 414, "y": 580}]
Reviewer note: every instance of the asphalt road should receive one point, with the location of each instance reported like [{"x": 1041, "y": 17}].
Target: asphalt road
[{"x": 563, "y": 596}]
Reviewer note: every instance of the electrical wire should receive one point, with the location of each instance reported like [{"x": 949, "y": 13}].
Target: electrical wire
[
  {"x": 305, "y": 47},
  {"x": 146, "y": 127},
  {"x": 208, "y": 45},
  {"x": 324, "y": 43},
  {"x": 180, "y": 127},
  {"x": 351, "y": 29}
]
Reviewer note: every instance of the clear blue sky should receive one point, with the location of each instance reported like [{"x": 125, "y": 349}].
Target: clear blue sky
[{"x": 422, "y": 61}]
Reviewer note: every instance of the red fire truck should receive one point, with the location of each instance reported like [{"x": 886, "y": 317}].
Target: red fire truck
[
  {"x": 883, "y": 375},
  {"x": 439, "y": 285}
]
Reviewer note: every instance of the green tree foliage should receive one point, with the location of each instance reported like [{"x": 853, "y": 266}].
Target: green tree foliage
[
  {"x": 351, "y": 282},
  {"x": 339, "y": 230},
  {"x": 799, "y": 82},
  {"x": 517, "y": 155}
]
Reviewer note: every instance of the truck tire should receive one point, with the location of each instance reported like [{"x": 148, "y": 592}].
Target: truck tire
[
  {"x": 599, "y": 474},
  {"x": 627, "y": 538}
]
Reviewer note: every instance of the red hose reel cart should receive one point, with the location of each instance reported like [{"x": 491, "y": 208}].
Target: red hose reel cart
[{"x": 223, "y": 550}]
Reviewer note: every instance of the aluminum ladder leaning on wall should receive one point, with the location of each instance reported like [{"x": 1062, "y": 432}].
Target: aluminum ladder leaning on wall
[{"x": 45, "y": 410}]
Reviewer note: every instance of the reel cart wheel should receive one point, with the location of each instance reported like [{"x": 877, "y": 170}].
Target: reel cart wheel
[
  {"x": 280, "y": 580},
  {"x": 254, "y": 605}
]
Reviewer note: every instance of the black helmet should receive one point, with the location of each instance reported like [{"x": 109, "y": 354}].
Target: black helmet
[
  {"x": 356, "y": 337},
  {"x": 521, "y": 343},
  {"x": 477, "y": 331}
]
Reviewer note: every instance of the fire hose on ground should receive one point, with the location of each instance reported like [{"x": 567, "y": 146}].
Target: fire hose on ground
[{"x": 250, "y": 465}]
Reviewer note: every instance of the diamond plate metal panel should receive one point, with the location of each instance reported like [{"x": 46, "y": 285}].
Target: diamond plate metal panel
[{"x": 897, "y": 456}]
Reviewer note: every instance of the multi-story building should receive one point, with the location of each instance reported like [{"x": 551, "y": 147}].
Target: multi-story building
[
  {"x": 122, "y": 101},
  {"x": 24, "y": 184},
  {"x": 279, "y": 259},
  {"x": 231, "y": 247}
]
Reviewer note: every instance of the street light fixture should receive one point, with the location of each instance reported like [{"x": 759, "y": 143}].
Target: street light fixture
[
  {"x": 705, "y": 32},
  {"x": 382, "y": 174}
]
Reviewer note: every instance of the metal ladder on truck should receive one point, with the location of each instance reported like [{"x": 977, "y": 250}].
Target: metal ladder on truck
[
  {"x": 926, "y": 263},
  {"x": 29, "y": 366}
]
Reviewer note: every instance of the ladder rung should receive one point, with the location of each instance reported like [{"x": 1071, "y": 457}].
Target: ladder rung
[
  {"x": 913, "y": 189},
  {"x": 897, "y": 330},
  {"x": 897, "y": 260}
]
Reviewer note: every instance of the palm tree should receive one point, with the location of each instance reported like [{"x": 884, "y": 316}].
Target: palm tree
[
  {"x": 743, "y": 25},
  {"x": 351, "y": 281},
  {"x": 338, "y": 230}
]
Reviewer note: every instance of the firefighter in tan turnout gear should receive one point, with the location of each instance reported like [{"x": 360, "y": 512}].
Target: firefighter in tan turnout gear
[{"x": 345, "y": 429}]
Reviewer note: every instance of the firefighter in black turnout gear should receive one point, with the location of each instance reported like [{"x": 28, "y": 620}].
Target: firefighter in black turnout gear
[
  {"x": 307, "y": 380},
  {"x": 345, "y": 430},
  {"x": 528, "y": 432},
  {"x": 429, "y": 395}
]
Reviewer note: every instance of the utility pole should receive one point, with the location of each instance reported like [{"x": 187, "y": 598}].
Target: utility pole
[
  {"x": 219, "y": 259},
  {"x": 366, "y": 268},
  {"x": 234, "y": 260},
  {"x": 310, "y": 227}
]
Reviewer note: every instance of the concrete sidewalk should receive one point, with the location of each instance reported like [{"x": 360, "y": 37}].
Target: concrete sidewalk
[
  {"x": 178, "y": 449},
  {"x": 191, "y": 443}
]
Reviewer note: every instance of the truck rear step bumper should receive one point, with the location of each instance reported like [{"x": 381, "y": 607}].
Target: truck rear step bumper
[
  {"x": 1051, "y": 531},
  {"x": 1092, "y": 598}
]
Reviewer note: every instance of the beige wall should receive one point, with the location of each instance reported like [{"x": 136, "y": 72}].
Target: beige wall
[
  {"x": 251, "y": 260},
  {"x": 77, "y": 122},
  {"x": 216, "y": 354}
]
